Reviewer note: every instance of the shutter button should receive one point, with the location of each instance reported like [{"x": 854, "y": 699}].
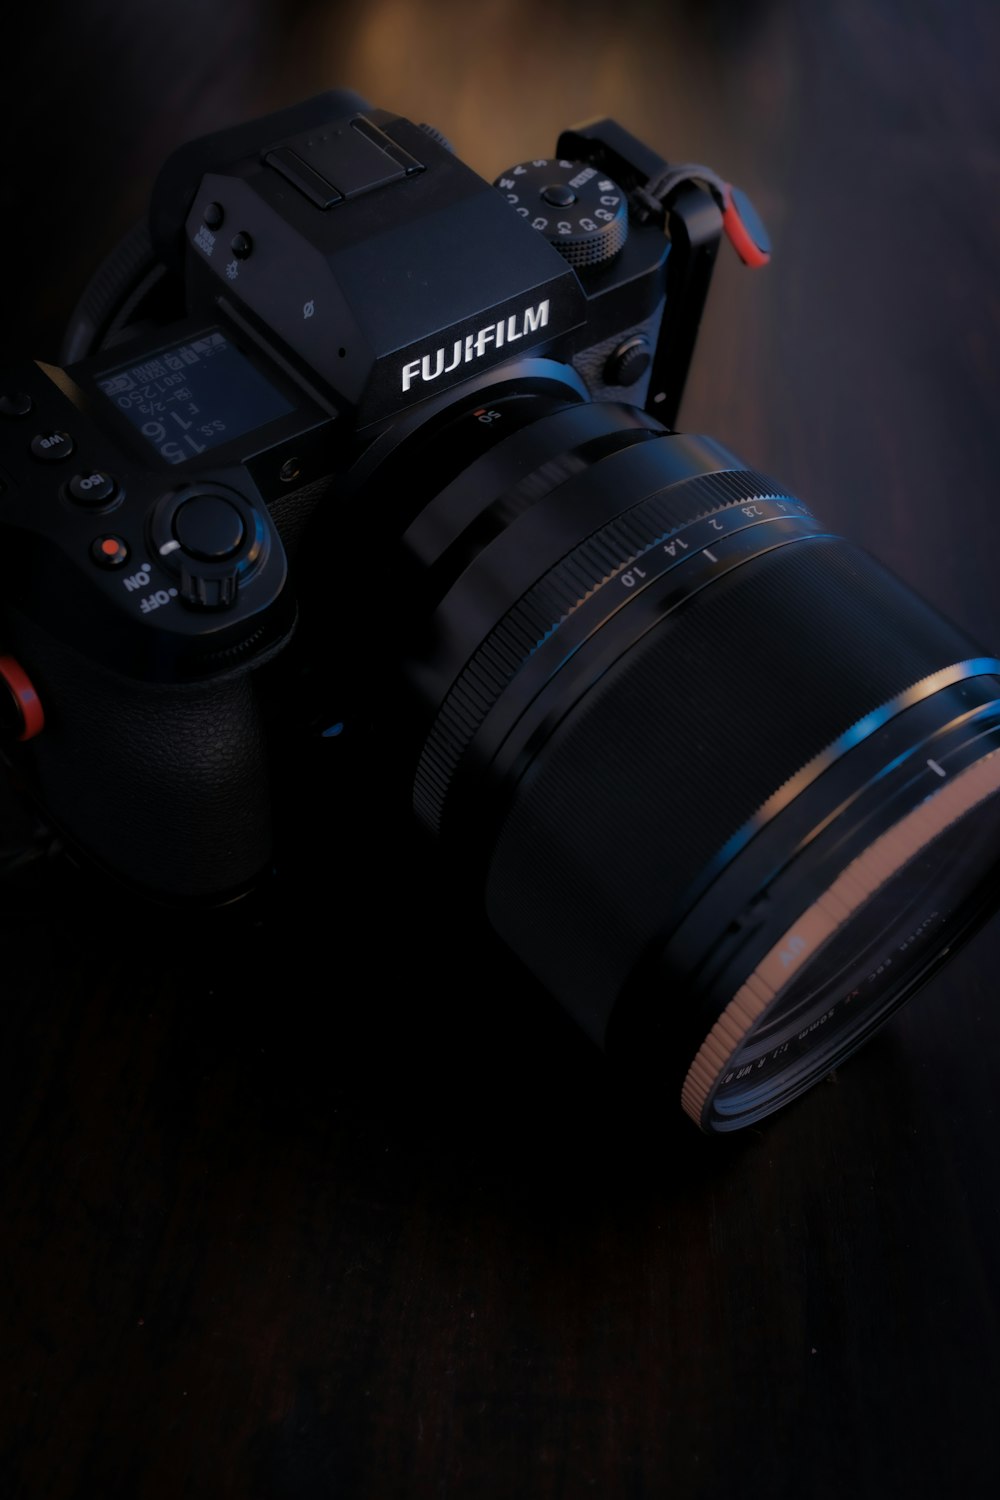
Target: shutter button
[{"x": 209, "y": 528}]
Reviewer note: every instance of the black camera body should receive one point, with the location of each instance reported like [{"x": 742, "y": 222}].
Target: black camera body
[
  {"x": 353, "y": 449},
  {"x": 339, "y": 275}
]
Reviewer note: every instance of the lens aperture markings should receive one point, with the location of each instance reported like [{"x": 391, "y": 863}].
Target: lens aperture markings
[
  {"x": 710, "y": 540},
  {"x": 515, "y": 711}
]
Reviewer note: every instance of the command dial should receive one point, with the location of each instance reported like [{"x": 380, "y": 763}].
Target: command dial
[{"x": 579, "y": 210}]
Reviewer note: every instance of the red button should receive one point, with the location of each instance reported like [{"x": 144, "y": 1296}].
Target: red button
[
  {"x": 109, "y": 551},
  {"x": 26, "y": 700}
]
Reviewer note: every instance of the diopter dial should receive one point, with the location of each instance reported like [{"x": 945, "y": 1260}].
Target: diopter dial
[{"x": 580, "y": 211}]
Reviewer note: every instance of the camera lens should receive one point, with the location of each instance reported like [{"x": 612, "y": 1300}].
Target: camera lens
[{"x": 728, "y": 786}]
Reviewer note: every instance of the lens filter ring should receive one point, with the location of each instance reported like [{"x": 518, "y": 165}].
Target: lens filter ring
[{"x": 727, "y": 1058}]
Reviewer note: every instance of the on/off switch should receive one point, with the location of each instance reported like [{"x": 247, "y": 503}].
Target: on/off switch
[{"x": 211, "y": 540}]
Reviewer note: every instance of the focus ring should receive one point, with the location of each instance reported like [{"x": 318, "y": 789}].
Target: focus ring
[{"x": 539, "y": 612}]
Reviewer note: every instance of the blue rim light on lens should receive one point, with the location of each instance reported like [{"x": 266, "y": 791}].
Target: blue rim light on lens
[{"x": 862, "y": 729}]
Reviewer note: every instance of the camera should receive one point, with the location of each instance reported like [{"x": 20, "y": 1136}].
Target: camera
[{"x": 351, "y": 447}]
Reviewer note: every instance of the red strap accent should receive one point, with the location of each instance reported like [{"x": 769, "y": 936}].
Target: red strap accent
[
  {"x": 746, "y": 248},
  {"x": 23, "y": 692}
]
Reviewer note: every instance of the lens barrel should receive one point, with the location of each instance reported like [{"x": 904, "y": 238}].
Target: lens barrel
[{"x": 730, "y": 787}]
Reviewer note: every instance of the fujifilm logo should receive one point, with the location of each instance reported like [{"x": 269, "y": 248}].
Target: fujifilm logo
[{"x": 475, "y": 345}]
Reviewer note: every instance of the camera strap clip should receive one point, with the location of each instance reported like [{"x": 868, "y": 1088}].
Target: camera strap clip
[
  {"x": 694, "y": 206},
  {"x": 743, "y": 225}
]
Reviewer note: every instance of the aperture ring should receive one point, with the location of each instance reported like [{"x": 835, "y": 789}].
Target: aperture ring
[{"x": 682, "y": 520}]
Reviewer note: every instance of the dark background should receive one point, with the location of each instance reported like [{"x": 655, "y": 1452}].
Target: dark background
[{"x": 398, "y": 1232}]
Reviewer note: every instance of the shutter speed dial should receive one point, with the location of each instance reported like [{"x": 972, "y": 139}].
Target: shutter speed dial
[{"x": 578, "y": 209}]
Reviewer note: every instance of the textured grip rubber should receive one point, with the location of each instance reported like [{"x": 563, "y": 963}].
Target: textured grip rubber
[{"x": 166, "y": 786}]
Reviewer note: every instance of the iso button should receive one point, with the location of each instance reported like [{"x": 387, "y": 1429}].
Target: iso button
[{"x": 96, "y": 489}]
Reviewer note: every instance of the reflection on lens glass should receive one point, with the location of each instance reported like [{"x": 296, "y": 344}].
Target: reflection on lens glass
[{"x": 869, "y": 965}]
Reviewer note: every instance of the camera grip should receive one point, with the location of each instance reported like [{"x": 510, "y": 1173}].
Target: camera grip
[{"x": 165, "y": 785}]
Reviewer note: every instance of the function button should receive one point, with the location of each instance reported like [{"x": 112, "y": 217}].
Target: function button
[
  {"x": 629, "y": 362},
  {"x": 51, "y": 447},
  {"x": 96, "y": 488},
  {"x": 209, "y": 528},
  {"x": 15, "y": 404},
  {"x": 213, "y": 216},
  {"x": 241, "y": 245},
  {"x": 109, "y": 551}
]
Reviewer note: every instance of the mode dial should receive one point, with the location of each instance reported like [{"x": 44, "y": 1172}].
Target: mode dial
[{"x": 577, "y": 208}]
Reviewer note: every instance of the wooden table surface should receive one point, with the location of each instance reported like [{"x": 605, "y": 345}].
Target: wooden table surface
[{"x": 271, "y": 1234}]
